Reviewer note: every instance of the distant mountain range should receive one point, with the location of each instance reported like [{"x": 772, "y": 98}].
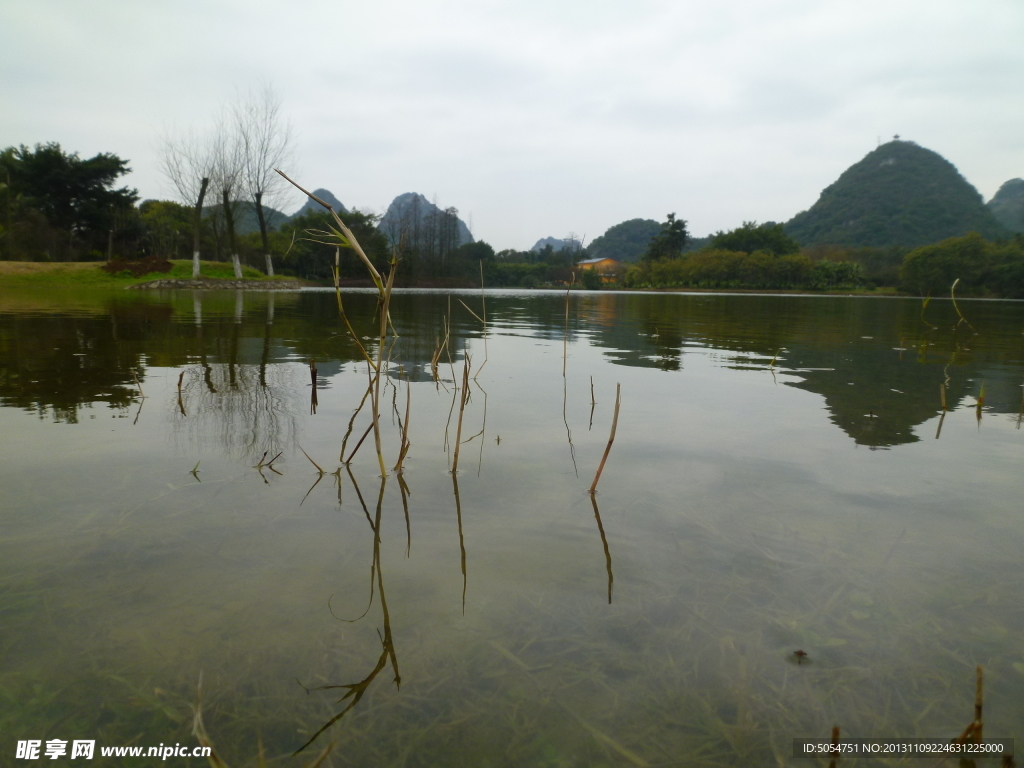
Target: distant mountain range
[
  {"x": 313, "y": 205},
  {"x": 899, "y": 194},
  {"x": 556, "y": 243},
  {"x": 412, "y": 215}
]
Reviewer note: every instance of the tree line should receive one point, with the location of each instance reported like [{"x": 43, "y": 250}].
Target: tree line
[
  {"x": 751, "y": 256},
  {"x": 58, "y": 206}
]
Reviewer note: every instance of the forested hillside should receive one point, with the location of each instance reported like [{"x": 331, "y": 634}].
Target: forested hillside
[
  {"x": 1008, "y": 205},
  {"x": 900, "y": 194}
]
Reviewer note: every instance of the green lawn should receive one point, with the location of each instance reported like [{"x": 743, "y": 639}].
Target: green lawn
[{"x": 87, "y": 274}]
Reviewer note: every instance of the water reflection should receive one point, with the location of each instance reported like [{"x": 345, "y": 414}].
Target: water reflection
[
  {"x": 355, "y": 691},
  {"x": 733, "y": 544},
  {"x": 849, "y": 351},
  {"x": 604, "y": 543}
]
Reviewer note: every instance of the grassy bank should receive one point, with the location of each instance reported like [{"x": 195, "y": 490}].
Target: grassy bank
[{"x": 87, "y": 274}]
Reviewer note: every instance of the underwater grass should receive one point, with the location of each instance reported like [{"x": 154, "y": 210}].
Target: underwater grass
[
  {"x": 689, "y": 670},
  {"x": 577, "y": 678}
]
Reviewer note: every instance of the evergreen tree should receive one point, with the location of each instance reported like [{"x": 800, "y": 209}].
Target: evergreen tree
[{"x": 669, "y": 242}]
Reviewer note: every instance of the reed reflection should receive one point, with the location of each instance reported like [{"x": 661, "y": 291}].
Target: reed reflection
[
  {"x": 604, "y": 543},
  {"x": 852, "y": 352},
  {"x": 462, "y": 538},
  {"x": 354, "y": 692}
]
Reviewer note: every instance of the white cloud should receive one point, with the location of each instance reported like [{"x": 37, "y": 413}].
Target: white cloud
[{"x": 537, "y": 118}]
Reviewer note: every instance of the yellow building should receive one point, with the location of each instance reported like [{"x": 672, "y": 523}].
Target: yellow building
[{"x": 608, "y": 269}]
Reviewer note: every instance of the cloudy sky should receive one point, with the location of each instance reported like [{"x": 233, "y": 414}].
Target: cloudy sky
[{"x": 536, "y": 117}]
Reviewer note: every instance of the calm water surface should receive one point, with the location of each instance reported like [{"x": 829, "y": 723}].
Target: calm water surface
[{"x": 782, "y": 479}]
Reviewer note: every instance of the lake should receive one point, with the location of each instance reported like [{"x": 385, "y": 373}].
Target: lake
[{"x": 783, "y": 478}]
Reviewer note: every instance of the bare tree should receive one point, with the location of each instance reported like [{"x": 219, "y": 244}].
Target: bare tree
[
  {"x": 228, "y": 170},
  {"x": 265, "y": 140},
  {"x": 188, "y": 162}
]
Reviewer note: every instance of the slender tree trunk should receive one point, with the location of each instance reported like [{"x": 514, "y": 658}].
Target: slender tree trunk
[
  {"x": 229, "y": 220},
  {"x": 263, "y": 234},
  {"x": 197, "y": 234}
]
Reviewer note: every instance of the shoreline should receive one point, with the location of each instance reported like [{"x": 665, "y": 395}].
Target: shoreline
[{"x": 218, "y": 284}]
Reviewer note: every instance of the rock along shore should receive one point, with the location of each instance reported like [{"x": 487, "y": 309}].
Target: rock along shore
[{"x": 223, "y": 285}]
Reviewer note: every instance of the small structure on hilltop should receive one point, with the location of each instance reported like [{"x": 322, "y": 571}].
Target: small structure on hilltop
[{"x": 609, "y": 270}]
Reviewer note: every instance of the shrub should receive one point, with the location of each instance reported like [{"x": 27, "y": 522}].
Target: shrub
[
  {"x": 146, "y": 266},
  {"x": 982, "y": 266}
]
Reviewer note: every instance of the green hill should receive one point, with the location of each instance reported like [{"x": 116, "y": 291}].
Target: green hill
[
  {"x": 1008, "y": 205},
  {"x": 900, "y": 194},
  {"x": 624, "y": 242}
]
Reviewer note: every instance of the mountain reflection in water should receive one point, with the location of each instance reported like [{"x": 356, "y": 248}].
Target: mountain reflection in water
[
  {"x": 223, "y": 527},
  {"x": 878, "y": 363}
]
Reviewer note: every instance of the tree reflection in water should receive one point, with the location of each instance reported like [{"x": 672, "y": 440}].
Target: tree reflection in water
[{"x": 246, "y": 404}]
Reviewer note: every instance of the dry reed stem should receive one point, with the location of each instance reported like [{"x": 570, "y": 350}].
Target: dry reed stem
[
  {"x": 355, "y": 691},
  {"x": 593, "y": 405},
  {"x": 952, "y": 295},
  {"x": 406, "y": 493},
  {"x": 483, "y": 304},
  {"x": 385, "y": 305},
  {"x": 361, "y": 439},
  {"x": 611, "y": 439},
  {"x": 565, "y": 334},
  {"x": 443, "y": 346},
  {"x": 352, "y": 421},
  {"x": 565, "y": 420},
  {"x": 978, "y": 700},
  {"x": 483, "y": 429},
  {"x": 462, "y": 407},
  {"x": 311, "y": 460},
  {"x": 341, "y": 308},
  {"x": 835, "y": 745},
  {"x": 462, "y": 539},
  {"x": 448, "y": 423},
  {"x": 973, "y": 732},
  {"x": 137, "y": 384},
  {"x": 405, "y": 428},
  {"x": 345, "y": 237},
  {"x": 474, "y": 314},
  {"x": 434, "y": 358},
  {"x": 447, "y": 335},
  {"x": 313, "y": 400},
  {"x": 314, "y": 485},
  {"x": 604, "y": 542},
  {"x": 345, "y": 231}
]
